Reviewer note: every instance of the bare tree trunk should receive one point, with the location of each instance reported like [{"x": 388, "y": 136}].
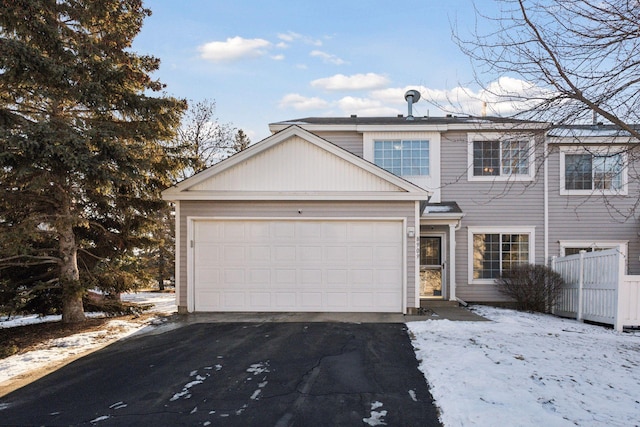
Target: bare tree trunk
[{"x": 72, "y": 309}]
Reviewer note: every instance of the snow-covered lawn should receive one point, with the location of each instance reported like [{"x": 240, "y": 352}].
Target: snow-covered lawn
[
  {"x": 529, "y": 370},
  {"x": 62, "y": 349}
]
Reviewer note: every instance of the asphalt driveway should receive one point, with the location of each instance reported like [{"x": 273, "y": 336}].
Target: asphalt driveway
[{"x": 237, "y": 374}]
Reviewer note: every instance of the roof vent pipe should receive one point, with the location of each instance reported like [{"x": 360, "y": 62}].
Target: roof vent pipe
[{"x": 411, "y": 96}]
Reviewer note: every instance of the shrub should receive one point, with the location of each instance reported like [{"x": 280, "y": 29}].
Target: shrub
[{"x": 532, "y": 287}]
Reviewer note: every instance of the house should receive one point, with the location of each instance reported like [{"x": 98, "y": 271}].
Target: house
[{"x": 378, "y": 213}]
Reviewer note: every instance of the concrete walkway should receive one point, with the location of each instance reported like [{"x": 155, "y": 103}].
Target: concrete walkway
[{"x": 454, "y": 313}]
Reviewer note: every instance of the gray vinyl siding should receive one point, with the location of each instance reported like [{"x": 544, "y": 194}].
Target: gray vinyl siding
[
  {"x": 290, "y": 209},
  {"x": 350, "y": 141},
  {"x": 593, "y": 218},
  {"x": 487, "y": 204}
]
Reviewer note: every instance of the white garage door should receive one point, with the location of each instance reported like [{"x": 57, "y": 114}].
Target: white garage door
[{"x": 298, "y": 265}]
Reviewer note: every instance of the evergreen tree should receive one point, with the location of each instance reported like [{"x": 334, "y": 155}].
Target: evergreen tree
[{"x": 82, "y": 151}]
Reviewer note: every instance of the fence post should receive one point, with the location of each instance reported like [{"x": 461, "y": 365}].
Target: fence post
[
  {"x": 618, "y": 321},
  {"x": 580, "y": 285},
  {"x": 555, "y": 301}
]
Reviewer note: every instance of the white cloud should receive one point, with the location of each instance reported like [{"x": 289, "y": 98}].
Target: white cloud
[
  {"x": 279, "y": 57},
  {"x": 340, "y": 82},
  {"x": 233, "y": 49},
  {"x": 365, "y": 107},
  {"x": 327, "y": 57},
  {"x": 389, "y": 102},
  {"x": 292, "y": 36},
  {"x": 299, "y": 102}
]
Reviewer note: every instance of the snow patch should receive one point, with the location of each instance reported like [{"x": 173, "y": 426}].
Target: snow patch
[
  {"x": 102, "y": 418},
  {"x": 377, "y": 417},
  {"x": 412, "y": 393},
  {"x": 531, "y": 369},
  {"x": 118, "y": 405}
]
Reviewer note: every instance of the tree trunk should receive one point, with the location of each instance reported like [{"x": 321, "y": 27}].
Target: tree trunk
[{"x": 72, "y": 309}]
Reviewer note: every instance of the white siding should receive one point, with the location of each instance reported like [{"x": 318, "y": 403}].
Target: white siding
[{"x": 295, "y": 165}]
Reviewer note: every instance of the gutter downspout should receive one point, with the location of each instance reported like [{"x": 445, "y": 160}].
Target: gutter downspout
[{"x": 546, "y": 200}]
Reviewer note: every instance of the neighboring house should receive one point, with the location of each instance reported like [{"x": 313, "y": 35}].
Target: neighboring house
[{"x": 377, "y": 214}]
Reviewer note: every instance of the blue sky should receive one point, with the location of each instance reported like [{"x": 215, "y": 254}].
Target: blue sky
[{"x": 268, "y": 61}]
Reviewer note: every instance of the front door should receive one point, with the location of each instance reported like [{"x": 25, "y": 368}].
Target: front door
[{"x": 431, "y": 267}]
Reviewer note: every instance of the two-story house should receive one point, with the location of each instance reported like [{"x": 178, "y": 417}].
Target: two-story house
[{"x": 378, "y": 213}]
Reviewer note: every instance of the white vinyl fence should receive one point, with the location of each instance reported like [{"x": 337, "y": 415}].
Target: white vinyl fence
[{"x": 597, "y": 289}]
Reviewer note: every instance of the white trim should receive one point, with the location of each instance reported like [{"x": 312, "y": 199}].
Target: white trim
[
  {"x": 452, "y": 262},
  {"x": 190, "y": 265},
  {"x": 531, "y": 231},
  {"x": 595, "y": 150},
  {"x": 500, "y": 137},
  {"x": 311, "y": 195},
  {"x": 429, "y": 182},
  {"x": 416, "y": 272},
  {"x": 405, "y": 276},
  {"x": 191, "y": 249},
  {"x": 620, "y": 245},
  {"x": 176, "y": 273},
  {"x": 444, "y": 262}
]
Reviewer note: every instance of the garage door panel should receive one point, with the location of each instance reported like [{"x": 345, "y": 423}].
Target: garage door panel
[
  {"x": 260, "y": 300},
  {"x": 259, "y": 277},
  {"x": 285, "y": 254},
  {"x": 258, "y": 254},
  {"x": 360, "y": 255},
  {"x": 310, "y": 254},
  {"x": 285, "y": 276},
  {"x": 338, "y": 300},
  {"x": 285, "y": 300},
  {"x": 233, "y": 276},
  {"x": 337, "y": 276},
  {"x": 298, "y": 265},
  {"x": 233, "y": 231},
  {"x": 233, "y": 255}
]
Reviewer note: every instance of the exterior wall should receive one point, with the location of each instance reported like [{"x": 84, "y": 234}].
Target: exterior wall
[
  {"x": 488, "y": 204},
  {"x": 290, "y": 209},
  {"x": 350, "y": 141},
  {"x": 592, "y": 218}
]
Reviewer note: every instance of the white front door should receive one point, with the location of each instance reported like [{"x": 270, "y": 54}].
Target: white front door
[{"x": 298, "y": 265}]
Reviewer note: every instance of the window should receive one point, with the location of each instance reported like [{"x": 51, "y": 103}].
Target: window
[
  {"x": 572, "y": 247},
  {"x": 500, "y": 158},
  {"x": 586, "y": 171},
  {"x": 402, "y": 157},
  {"x": 492, "y": 252}
]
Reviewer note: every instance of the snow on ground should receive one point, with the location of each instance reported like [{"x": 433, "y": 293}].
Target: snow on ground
[
  {"x": 519, "y": 369},
  {"x": 525, "y": 369},
  {"x": 60, "y": 349}
]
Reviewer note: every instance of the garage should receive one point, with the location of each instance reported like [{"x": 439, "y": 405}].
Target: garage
[
  {"x": 295, "y": 223},
  {"x": 316, "y": 265}
]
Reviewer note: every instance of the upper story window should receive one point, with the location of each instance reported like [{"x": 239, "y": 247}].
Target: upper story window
[
  {"x": 493, "y": 158},
  {"x": 500, "y": 158},
  {"x": 402, "y": 157},
  {"x": 585, "y": 172}
]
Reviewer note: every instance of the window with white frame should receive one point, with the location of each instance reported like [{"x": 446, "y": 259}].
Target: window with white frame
[
  {"x": 495, "y": 158},
  {"x": 572, "y": 247},
  {"x": 585, "y": 172},
  {"x": 492, "y": 251},
  {"x": 402, "y": 157}
]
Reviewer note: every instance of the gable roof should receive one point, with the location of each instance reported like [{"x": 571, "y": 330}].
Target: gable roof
[{"x": 295, "y": 164}]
